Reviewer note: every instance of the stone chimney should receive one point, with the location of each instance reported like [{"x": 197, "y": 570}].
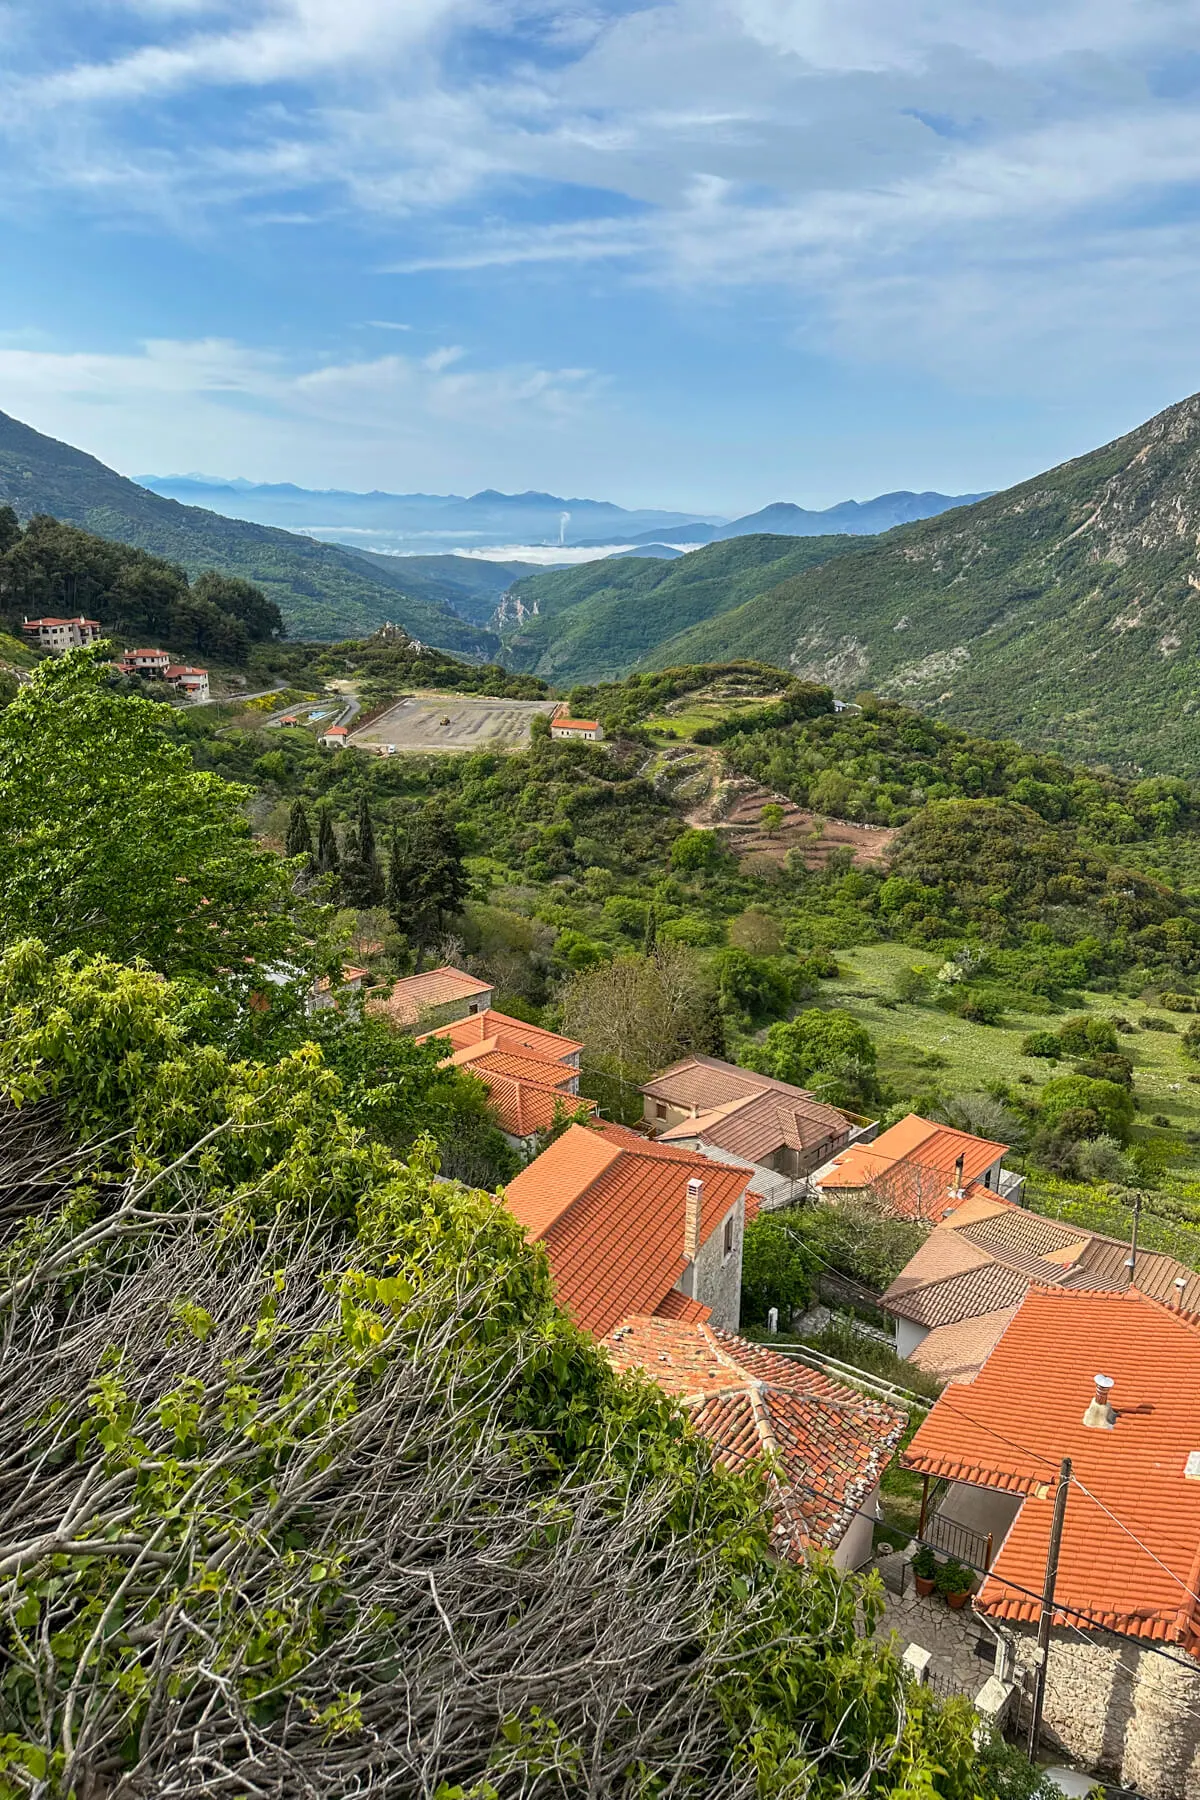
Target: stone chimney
[
  {"x": 691, "y": 1218},
  {"x": 1100, "y": 1415}
]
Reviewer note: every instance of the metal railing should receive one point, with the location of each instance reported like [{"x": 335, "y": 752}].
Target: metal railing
[{"x": 959, "y": 1541}]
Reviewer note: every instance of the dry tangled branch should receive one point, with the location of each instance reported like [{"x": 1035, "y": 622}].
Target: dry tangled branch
[{"x": 264, "y": 1530}]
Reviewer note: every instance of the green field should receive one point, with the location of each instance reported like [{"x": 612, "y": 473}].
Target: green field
[
  {"x": 689, "y": 720},
  {"x": 921, "y": 1045}
]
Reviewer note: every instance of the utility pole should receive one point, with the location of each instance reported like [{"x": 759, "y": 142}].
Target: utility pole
[
  {"x": 1131, "y": 1259},
  {"x": 1044, "y": 1623}
]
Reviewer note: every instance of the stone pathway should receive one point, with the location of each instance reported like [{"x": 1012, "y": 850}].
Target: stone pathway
[{"x": 951, "y": 1637}]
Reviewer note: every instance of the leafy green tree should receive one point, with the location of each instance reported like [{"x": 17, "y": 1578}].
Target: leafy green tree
[
  {"x": 110, "y": 840},
  {"x": 831, "y": 1052},
  {"x": 299, "y": 836},
  {"x": 696, "y": 852},
  {"x": 777, "y": 1270},
  {"x": 1081, "y": 1107},
  {"x": 771, "y": 817}
]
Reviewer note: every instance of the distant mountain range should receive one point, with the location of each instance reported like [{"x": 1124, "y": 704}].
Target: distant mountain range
[
  {"x": 323, "y": 590},
  {"x": 445, "y": 522},
  {"x": 1065, "y": 610}
]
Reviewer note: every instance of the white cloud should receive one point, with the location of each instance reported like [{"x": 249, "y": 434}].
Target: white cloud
[{"x": 388, "y": 419}]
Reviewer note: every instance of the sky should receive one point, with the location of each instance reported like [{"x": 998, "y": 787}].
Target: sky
[{"x": 702, "y": 254}]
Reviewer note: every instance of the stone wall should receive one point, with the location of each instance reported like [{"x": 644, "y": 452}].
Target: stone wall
[
  {"x": 716, "y": 1279},
  {"x": 1120, "y": 1709}
]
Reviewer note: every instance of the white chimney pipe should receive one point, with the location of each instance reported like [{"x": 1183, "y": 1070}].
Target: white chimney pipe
[
  {"x": 1100, "y": 1415},
  {"x": 691, "y": 1218}
]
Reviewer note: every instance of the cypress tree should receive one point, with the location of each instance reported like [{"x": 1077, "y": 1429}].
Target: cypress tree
[
  {"x": 362, "y": 882},
  {"x": 650, "y": 937},
  {"x": 328, "y": 860},
  {"x": 398, "y": 883},
  {"x": 299, "y": 836}
]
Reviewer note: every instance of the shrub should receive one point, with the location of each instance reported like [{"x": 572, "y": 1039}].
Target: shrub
[
  {"x": 1042, "y": 1043},
  {"x": 910, "y": 985},
  {"x": 777, "y": 1269},
  {"x": 830, "y": 1049},
  {"x": 1084, "y": 1108},
  {"x": 696, "y": 852},
  {"x": 1191, "y": 1041},
  {"x": 1083, "y": 1036},
  {"x": 924, "y": 1562},
  {"x": 954, "y": 1577},
  {"x": 980, "y": 1009}
]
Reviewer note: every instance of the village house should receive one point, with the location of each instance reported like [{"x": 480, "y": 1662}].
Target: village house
[
  {"x": 828, "y": 1445},
  {"x": 634, "y": 1228},
  {"x": 149, "y": 663},
  {"x": 327, "y": 993},
  {"x": 585, "y": 730},
  {"x": 531, "y": 1074},
  {"x": 188, "y": 681},
  {"x": 435, "y": 998},
  {"x": 784, "y": 1132},
  {"x": 57, "y": 635},
  {"x": 334, "y": 737},
  {"x": 921, "y": 1171},
  {"x": 1123, "y": 1666},
  {"x": 953, "y": 1300}
]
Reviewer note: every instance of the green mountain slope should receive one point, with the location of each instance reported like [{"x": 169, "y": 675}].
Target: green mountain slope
[
  {"x": 324, "y": 592},
  {"x": 468, "y": 585},
  {"x": 595, "y": 622},
  {"x": 1065, "y": 610}
]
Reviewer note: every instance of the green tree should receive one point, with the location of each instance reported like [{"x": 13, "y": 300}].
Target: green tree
[
  {"x": 696, "y": 852},
  {"x": 299, "y": 836},
  {"x": 111, "y": 841},
  {"x": 329, "y": 861},
  {"x": 362, "y": 879},
  {"x": 829, "y": 1051},
  {"x": 777, "y": 1270},
  {"x": 1071, "y": 1103},
  {"x": 771, "y": 817},
  {"x": 427, "y": 877}
]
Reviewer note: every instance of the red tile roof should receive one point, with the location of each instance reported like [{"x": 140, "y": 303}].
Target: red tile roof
[
  {"x": 576, "y": 724},
  {"x": 526, "y": 1107},
  {"x": 612, "y": 1220},
  {"x": 1023, "y": 1413},
  {"x": 831, "y": 1443},
  {"x": 417, "y": 994},
  {"x": 510, "y": 1034},
  {"x": 912, "y": 1168}
]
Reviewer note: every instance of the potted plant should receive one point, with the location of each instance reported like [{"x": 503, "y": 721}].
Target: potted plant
[
  {"x": 924, "y": 1568},
  {"x": 953, "y": 1581}
]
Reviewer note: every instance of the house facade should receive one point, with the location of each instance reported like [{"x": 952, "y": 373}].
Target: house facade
[
  {"x": 334, "y": 738},
  {"x": 633, "y": 1228},
  {"x": 782, "y": 1132},
  {"x": 150, "y": 663},
  {"x": 828, "y": 1445},
  {"x": 586, "y": 731},
  {"x": 57, "y": 635},
  {"x": 1123, "y": 1667},
  {"x": 188, "y": 681}
]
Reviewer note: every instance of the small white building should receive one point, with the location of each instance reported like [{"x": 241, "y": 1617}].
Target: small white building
[
  {"x": 334, "y": 738},
  {"x": 587, "y": 730},
  {"x": 57, "y": 635}
]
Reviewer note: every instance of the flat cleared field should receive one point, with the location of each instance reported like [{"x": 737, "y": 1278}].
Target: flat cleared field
[{"x": 452, "y": 723}]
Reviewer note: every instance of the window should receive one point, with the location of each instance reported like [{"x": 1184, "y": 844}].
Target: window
[
  {"x": 730, "y": 1228},
  {"x": 473, "y": 1008},
  {"x": 660, "y": 1109}
]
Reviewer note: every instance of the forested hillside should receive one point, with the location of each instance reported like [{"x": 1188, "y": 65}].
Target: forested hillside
[
  {"x": 1064, "y": 609},
  {"x": 322, "y": 591},
  {"x": 595, "y": 622}
]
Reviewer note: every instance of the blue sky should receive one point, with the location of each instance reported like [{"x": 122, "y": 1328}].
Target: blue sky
[{"x": 706, "y": 254}]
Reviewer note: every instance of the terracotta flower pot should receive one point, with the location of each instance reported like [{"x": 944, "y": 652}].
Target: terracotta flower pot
[
  {"x": 924, "y": 1585},
  {"x": 958, "y": 1601}
]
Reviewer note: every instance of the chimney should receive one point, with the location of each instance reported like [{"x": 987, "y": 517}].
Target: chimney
[
  {"x": 1100, "y": 1415},
  {"x": 691, "y": 1218}
]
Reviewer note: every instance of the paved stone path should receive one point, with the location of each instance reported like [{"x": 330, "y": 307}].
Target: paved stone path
[{"x": 951, "y": 1637}]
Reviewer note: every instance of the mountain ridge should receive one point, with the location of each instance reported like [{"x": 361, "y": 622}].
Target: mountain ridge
[
  {"x": 324, "y": 591},
  {"x": 1065, "y": 609}
]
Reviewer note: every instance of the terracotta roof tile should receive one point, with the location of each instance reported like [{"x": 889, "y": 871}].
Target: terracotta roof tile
[
  {"x": 958, "y": 1351},
  {"x": 982, "y": 1290},
  {"x": 913, "y": 1165},
  {"x": 510, "y": 1034},
  {"x": 1009, "y": 1429},
  {"x": 831, "y": 1442},
  {"x": 612, "y": 1220},
  {"x": 417, "y": 994}
]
